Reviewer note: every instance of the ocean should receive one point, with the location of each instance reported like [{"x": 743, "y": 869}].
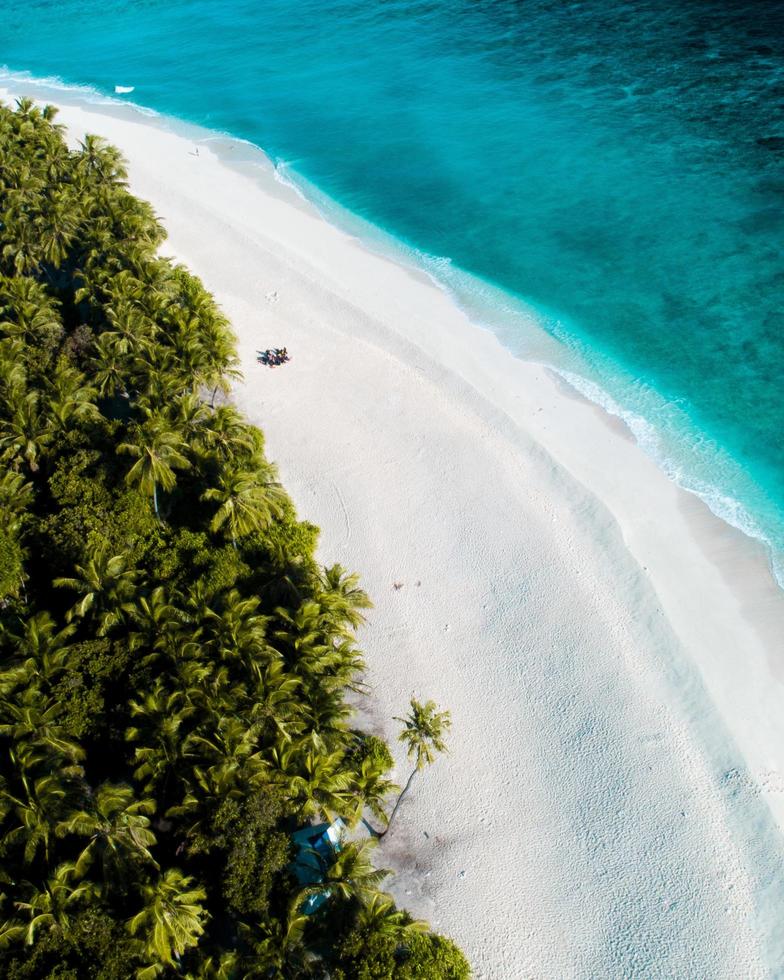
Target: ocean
[{"x": 600, "y": 183}]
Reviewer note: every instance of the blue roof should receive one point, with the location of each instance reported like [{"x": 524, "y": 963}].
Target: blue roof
[{"x": 316, "y": 847}]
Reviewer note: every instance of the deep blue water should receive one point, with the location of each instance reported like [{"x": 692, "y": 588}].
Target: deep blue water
[{"x": 616, "y": 165}]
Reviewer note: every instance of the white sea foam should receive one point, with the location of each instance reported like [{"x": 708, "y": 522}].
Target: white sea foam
[
  {"x": 725, "y": 506},
  {"x": 84, "y": 93}
]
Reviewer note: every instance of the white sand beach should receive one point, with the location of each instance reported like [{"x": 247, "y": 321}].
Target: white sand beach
[{"x": 610, "y": 651}]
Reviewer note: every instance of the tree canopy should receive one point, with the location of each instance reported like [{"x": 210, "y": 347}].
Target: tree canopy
[{"x": 174, "y": 663}]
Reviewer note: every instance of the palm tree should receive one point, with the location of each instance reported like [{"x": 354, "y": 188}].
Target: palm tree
[
  {"x": 15, "y": 492},
  {"x": 32, "y": 719},
  {"x": 117, "y": 825},
  {"x": 70, "y": 398},
  {"x": 37, "y": 807},
  {"x": 232, "y": 748},
  {"x": 380, "y": 916},
  {"x": 26, "y": 433},
  {"x": 279, "y": 949},
  {"x": 58, "y": 231},
  {"x": 158, "y": 451},
  {"x": 109, "y": 365},
  {"x": 237, "y": 632},
  {"x": 424, "y": 729},
  {"x": 222, "y": 968},
  {"x": 315, "y": 780},
  {"x": 160, "y": 718},
  {"x": 341, "y": 599},
  {"x": 373, "y": 787},
  {"x": 226, "y": 435},
  {"x": 156, "y": 621},
  {"x": 41, "y": 653},
  {"x": 29, "y": 312},
  {"x": 248, "y": 501},
  {"x": 190, "y": 415},
  {"x": 106, "y": 587},
  {"x": 48, "y": 907},
  {"x": 171, "y": 921},
  {"x": 101, "y": 161},
  {"x": 276, "y": 703}
]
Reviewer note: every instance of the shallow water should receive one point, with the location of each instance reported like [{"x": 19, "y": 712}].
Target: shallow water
[{"x": 617, "y": 167}]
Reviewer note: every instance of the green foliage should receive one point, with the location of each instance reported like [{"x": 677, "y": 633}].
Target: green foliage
[
  {"x": 11, "y": 568},
  {"x": 253, "y": 851},
  {"x": 97, "y": 948},
  {"x": 372, "y": 749},
  {"x": 373, "y": 954},
  {"x": 173, "y": 661}
]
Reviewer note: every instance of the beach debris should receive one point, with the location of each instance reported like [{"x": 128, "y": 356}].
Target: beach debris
[
  {"x": 272, "y": 296},
  {"x": 397, "y": 586},
  {"x": 417, "y": 583},
  {"x": 461, "y": 874},
  {"x": 123, "y": 89},
  {"x": 273, "y": 356}
]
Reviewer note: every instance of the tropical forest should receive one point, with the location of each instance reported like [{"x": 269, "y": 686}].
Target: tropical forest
[{"x": 176, "y": 667}]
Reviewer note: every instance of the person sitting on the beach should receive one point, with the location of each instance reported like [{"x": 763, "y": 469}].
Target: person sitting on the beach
[{"x": 273, "y": 357}]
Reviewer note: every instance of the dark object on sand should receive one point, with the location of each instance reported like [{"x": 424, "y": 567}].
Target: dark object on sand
[{"x": 273, "y": 357}]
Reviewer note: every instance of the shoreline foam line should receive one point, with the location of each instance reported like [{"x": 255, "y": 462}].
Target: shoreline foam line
[
  {"x": 679, "y": 449},
  {"x": 609, "y": 649}
]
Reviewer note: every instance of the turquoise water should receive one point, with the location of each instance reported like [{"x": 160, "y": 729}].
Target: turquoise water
[{"x": 616, "y": 166}]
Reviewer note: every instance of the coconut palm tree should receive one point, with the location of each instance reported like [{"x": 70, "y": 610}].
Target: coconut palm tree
[
  {"x": 231, "y": 746},
  {"x": 248, "y": 501},
  {"x": 226, "y": 435},
  {"x": 69, "y": 398},
  {"x": 215, "y": 968},
  {"x": 34, "y": 719},
  {"x": 100, "y": 162},
  {"x": 424, "y": 731},
  {"x": 28, "y": 311},
  {"x": 109, "y": 366},
  {"x": 279, "y": 948},
  {"x": 341, "y": 599},
  {"x": 276, "y": 703},
  {"x": 372, "y": 787},
  {"x": 158, "y": 449},
  {"x": 237, "y": 631},
  {"x": 117, "y": 825},
  {"x": 315, "y": 779},
  {"x": 48, "y": 908},
  {"x": 40, "y": 653},
  {"x": 189, "y": 416},
  {"x": 57, "y": 232},
  {"x": 380, "y": 916},
  {"x": 16, "y": 492},
  {"x": 13, "y": 375},
  {"x": 171, "y": 921},
  {"x": 156, "y": 621},
  {"x": 106, "y": 586},
  {"x": 36, "y": 807},
  {"x": 26, "y": 433},
  {"x": 160, "y": 719}
]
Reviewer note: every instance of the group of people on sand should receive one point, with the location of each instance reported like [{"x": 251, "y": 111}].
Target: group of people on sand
[{"x": 274, "y": 356}]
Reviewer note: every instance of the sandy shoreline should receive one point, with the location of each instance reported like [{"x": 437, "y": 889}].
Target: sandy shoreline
[{"x": 610, "y": 651}]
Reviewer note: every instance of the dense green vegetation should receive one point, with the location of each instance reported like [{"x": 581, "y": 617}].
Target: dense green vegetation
[{"x": 173, "y": 661}]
